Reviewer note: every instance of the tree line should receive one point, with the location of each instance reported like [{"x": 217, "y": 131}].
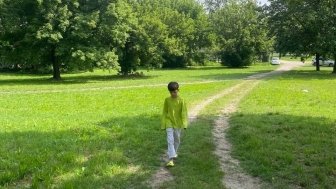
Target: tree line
[{"x": 67, "y": 35}]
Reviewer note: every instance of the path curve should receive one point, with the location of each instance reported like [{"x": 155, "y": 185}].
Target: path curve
[{"x": 163, "y": 175}]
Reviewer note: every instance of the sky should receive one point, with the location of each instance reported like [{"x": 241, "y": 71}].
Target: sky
[{"x": 263, "y": 1}]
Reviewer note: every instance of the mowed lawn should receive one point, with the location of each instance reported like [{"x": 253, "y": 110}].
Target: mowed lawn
[
  {"x": 109, "y": 138},
  {"x": 285, "y": 130}
]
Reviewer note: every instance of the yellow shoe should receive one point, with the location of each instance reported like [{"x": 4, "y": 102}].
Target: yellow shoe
[{"x": 170, "y": 163}]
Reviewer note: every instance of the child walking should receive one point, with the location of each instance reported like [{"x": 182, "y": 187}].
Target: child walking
[{"x": 174, "y": 118}]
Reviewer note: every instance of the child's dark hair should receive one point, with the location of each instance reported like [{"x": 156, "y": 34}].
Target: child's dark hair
[{"x": 173, "y": 86}]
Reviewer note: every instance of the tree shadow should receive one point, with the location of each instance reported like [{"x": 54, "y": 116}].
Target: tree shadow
[
  {"x": 285, "y": 150},
  {"x": 304, "y": 75},
  {"x": 69, "y": 80},
  {"x": 118, "y": 153},
  {"x": 216, "y": 68},
  {"x": 290, "y": 75},
  {"x": 232, "y": 76}
]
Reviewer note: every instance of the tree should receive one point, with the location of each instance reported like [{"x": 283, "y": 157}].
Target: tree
[
  {"x": 171, "y": 33},
  {"x": 118, "y": 29},
  {"x": 302, "y": 27},
  {"x": 111, "y": 34},
  {"x": 68, "y": 34},
  {"x": 329, "y": 21},
  {"x": 241, "y": 32}
]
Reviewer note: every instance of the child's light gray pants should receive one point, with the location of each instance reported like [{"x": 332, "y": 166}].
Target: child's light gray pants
[{"x": 173, "y": 139}]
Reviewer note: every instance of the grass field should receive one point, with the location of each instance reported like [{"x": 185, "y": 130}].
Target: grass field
[
  {"x": 110, "y": 137},
  {"x": 107, "y": 138},
  {"x": 285, "y": 130}
]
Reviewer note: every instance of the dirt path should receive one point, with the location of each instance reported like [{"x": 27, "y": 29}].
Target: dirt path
[{"x": 234, "y": 176}]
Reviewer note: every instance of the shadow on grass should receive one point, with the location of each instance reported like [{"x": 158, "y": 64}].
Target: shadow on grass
[
  {"x": 231, "y": 76},
  {"x": 305, "y": 75},
  {"x": 117, "y": 153},
  {"x": 291, "y": 75},
  {"x": 215, "y": 68},
  {"x": 68, "y": 80},
  {"x": 286, "y": 150}
]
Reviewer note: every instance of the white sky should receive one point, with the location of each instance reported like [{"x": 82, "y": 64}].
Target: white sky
[{"x": 263, "y": 1}]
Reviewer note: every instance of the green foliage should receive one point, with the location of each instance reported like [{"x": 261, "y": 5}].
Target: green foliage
[
  {"x": 71, "y": 34},
  {"x": 233, "y": 58},
  {"x": 303, "y": 27},
  {"x": 123, "y": 35},
  {"x": 173, "y": 33},
  {"x": 241, "y": 33}
]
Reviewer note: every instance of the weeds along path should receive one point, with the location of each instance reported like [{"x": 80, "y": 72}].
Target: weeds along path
[{"x": 234, "y": 176}]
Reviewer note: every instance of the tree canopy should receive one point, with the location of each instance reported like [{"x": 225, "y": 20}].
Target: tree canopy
[
  {"x": 303, "y": 27},
  {"x": 241, "y": 32},
  {"x": 63, "y": 35}
]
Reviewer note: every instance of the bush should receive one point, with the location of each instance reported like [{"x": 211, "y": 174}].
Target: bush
[{"x": 236, "y": 59}]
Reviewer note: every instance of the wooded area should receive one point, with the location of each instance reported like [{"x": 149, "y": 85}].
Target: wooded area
[{"x": 45, "y": 36}]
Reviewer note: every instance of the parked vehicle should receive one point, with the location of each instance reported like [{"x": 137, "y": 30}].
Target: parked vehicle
[
  {"x": 275, "y": 61},
  {"x": 323, "y": 62}
]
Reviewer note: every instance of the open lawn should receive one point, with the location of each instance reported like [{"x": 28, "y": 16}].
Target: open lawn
[
  {"x": 93, "y": 130},
  {"x": 106, "y": 137},
  {"x": 285, "y": 130}
]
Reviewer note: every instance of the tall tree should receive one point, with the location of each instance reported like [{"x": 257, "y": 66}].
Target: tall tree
[
  {"x": 62, "y": 33},
  {"x": 329, "y": 21},
  {"x": 172, "y": 33},
  {"x": 300, "y": 26},
  {"x": 241, "y": 32}
]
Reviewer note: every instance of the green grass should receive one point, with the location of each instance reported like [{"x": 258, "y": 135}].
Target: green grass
[
  {"x": 111, "y": 138},
  {"x": 100, "y": 78},
  {"x": 285, "y": 130},
  {"x": 97, "y": 139}
]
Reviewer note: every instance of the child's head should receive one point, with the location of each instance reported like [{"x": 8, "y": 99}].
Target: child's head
[{"x": 173, "y": 88}]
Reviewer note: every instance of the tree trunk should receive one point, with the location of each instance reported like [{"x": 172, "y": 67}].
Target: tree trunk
[
  {"x": 317, "y": 59},
  {"x": 334, "y": 69},
  {"x": 265, "y": 57},
  {"x": 55, "y": 64}
]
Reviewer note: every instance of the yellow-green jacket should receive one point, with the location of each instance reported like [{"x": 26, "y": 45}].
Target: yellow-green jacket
[{"x": 175, "y": 114}]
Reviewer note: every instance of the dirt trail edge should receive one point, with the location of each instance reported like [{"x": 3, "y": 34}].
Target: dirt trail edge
[{"x": 233, "y": 175}]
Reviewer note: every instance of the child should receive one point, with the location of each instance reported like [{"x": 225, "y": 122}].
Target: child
[{"x": 174, "y": 118}]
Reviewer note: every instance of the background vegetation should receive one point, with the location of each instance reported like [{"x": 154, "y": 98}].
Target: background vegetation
[{"x": 62, "y": 36}]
